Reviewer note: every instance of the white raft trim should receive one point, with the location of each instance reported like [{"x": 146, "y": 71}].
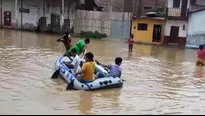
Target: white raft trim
[{"x": 101, "y": 83}]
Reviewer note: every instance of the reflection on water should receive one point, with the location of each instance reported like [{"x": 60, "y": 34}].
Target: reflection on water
[{"x": 159, "y": 80}]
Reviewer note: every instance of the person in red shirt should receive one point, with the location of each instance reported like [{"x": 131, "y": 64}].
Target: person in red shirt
[
  {"x": 131, "y": 41},
  {"x": 200, "y": 56}
]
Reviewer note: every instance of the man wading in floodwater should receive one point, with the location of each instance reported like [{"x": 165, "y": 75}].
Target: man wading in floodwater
[
  {"x": 80, "y": 47},
  {"x": 66, "y": 40}
]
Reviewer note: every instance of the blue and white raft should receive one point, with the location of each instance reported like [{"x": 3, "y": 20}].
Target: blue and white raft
[{"x": 97, "y": 84}]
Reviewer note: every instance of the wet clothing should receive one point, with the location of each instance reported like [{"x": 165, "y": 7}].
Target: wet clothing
[
  {"x": 200, "y": 58},
  {"x": 131, "y": 40},
  {"x": 88, "y": 69},
  {"x": 130, "y": 46},
  {"x": 200, "y": 62},
  {"x": 78, "y": 46}
]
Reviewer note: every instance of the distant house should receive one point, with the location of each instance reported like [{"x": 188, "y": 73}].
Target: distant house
[
  {"x": 176, "y": 26},
  {"x": 196, "y": 30},
  {"x": 176, "y": 23},
  {"x": 148, "y": 29}
]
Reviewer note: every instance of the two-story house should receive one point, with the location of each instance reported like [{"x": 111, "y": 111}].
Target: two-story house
[
  {"x": 180, "y": 21},
  {"x": 176, "y": 22}
]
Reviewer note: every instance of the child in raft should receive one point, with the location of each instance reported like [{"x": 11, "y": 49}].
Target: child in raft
[
  {"x": 201, "y": 56},
  {"x": 114, "y": 70}
]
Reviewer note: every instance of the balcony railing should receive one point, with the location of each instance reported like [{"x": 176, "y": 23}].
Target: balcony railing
[
  {"x": 174, "y": 12},
  {"x": 177, "y": 13}
]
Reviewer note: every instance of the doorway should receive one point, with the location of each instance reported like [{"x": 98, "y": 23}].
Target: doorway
[
  {"x": 174, "y": 33},
  {"x": 7, "y": 18},
  {"x": 157, "y": 31}
]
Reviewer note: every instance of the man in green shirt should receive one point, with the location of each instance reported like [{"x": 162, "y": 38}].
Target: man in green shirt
[{"x": 80, "y": 47}]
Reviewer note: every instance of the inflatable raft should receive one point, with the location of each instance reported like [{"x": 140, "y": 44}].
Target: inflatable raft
[{"x": 97, "y": 84}]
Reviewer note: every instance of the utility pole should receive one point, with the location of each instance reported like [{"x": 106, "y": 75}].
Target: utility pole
[
  {"x": 44, "y": 5},
  {"x": 1, "y": 15},
  {"x": 123, "y": 5},
  {"x": 62, "y": 15},
  {"x": 21, "y": 14},
  {"x": 133, "y": 7},
  {"x": 16, "y": 13},
  {"x": 110, "y": 6},
  {"x": 137, "y": 8},
  {"x": 69, "y": 15}
]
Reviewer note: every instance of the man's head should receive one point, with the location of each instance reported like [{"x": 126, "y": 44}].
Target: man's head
[
  {"x": 132, "y": 35},
  {"x": 201, "y": 47},
  {"x": 89, "y": 57},
  {"x": 118, "y": 61},
  {"x": 73, "y": 52},
  {"x": 67, "y": 37},
  {"x": 87, "y": 41}
]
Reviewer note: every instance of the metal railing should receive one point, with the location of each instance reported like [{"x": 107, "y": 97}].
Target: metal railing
[{"x": 174, "y": 12}]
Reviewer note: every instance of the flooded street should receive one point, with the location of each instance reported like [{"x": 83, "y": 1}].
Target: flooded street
[{"x": 159, "y": 80}]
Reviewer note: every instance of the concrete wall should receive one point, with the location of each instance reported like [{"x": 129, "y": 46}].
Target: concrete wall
[
  {"x": 30, "y": 19},
  {"x": 97, "y": 21},
  {"x": 180, "y": 23},
  {"x": 196, "y": 30}
]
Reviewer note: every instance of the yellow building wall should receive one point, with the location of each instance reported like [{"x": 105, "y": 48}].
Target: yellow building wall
[{"x": 146, "y": 36}]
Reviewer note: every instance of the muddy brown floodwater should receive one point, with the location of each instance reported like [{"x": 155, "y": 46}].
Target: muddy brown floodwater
[{"x": 159, "y": 80}]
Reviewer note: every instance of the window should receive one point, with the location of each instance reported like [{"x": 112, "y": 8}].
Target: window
[
  {"x": 142, "y": 27},
  {"x": 176, "y": 3}
]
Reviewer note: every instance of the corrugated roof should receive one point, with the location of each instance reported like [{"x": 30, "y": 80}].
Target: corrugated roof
[{"x": 196, "y": 11}]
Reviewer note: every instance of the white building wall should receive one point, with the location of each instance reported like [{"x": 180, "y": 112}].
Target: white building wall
[
  {"x": 35, "y": 8},
  {"x": 180, "y": 23},
  {"x": 36, "y": 11}
]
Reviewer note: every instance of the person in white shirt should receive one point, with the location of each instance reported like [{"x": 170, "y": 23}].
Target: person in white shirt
[{"x": 76, "y": 61}]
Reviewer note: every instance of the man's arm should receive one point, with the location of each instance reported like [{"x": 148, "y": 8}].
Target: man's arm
[
  {"x": 84, "y": 49},
  {"x": 107, "y": 66},
  {"x": 69, "y": 65},
  {"x": 120, "y": 74},
  {"x": 60, "y": 40},
  {"x": 82, "y": 71}
]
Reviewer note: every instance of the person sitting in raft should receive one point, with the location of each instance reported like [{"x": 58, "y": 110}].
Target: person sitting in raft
[
  {"x": 75, "y": 62},
  {"x": 88, "y": 69},
  {"x": 115, "y": 70},
  {"x": 201, "y": 56},
  {"x": 80, "y": 47},
  {"x": 66, "y": 40}
]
